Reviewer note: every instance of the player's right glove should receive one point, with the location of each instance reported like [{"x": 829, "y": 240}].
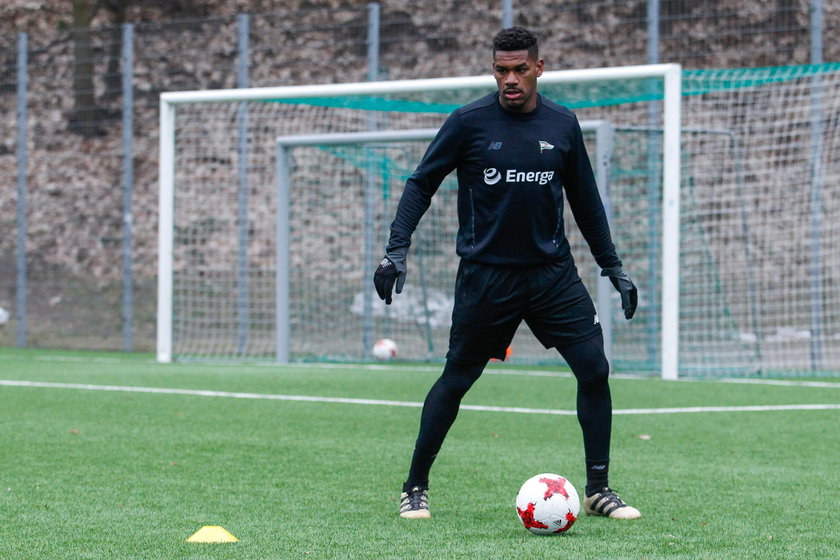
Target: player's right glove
[
  {"x": 391, "y": 270},
  {"x": 625, "y": 287}
]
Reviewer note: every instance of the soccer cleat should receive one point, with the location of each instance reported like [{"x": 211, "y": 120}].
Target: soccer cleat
[
  {"x": 414, "y": 504},
  {"x": 605, "y": 502}
]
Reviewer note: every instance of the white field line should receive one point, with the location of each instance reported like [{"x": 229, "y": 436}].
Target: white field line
[
  {"x": 374, "y": 402},
  {"x": 783, "y": 383},
  {"x": 490, "y": 370}
]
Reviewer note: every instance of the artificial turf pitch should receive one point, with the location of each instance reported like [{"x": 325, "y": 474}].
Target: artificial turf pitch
[{"x": 306, "y": 461}]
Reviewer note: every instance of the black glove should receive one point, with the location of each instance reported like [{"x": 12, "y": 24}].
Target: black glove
[
  {"x": 392, "y": 269},
  {"x": 625, "y": 287}
]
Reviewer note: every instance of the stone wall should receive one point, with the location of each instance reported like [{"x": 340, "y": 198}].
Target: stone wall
[{"x": 74, "y": 204}]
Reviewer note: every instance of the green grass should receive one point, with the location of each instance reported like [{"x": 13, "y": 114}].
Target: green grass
[{"x": 105, "y": 474}]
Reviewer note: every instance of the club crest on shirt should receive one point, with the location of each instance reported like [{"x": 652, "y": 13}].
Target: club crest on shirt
[{"x": 545, "y": 146}]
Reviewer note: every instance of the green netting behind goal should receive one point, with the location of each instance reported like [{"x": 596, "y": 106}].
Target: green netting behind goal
[{"x": 758, "y": 227}]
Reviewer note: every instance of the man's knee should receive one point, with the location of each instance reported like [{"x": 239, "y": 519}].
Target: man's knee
[
  {"x": 461, "y": 375},
  {"x": 587, "y": 360}
]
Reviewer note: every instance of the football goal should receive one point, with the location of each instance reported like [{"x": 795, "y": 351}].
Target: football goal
[
  {"x": 275, "y": 205},
  {"x": 218, "y": 274}
]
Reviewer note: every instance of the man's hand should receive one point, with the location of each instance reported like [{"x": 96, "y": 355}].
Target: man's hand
[
  {"x": 392, "y": 269},
  {"x": 625, "y": 287}
]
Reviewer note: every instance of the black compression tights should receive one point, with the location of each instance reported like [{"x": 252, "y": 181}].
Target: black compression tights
[
  {"x": 439, "y": 411},
  {"x": 440, "y": 408},
  {"x": 594, "y": 403}
]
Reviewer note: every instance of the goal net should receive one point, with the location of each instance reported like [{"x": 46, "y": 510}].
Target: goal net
[{"x": 715, "y": 183}]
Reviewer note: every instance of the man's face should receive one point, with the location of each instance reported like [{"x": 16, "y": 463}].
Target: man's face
[{"x": 516, "y": 76}]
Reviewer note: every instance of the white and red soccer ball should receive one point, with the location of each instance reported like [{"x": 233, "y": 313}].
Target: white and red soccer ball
[
  {"x": 385, "y": 349},
  {"x": 547, "y": 504}
]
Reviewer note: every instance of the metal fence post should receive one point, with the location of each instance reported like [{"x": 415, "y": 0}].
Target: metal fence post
[
  {"x": 816, "y": 187},
  {"x": 507, "y": 13},
  {"x": 373, "y": 23},
  {"x": 654, "y": 189},
  {"x": 242, "y": 280},
  {"x": 21, "y": 188},
  {"x": 653, "y": 31},
  {"x": 128, "y": 181}
]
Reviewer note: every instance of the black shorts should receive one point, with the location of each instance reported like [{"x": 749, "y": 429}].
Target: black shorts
[{"x": 491, "y": 302}]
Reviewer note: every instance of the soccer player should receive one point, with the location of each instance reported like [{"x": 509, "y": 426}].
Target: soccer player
[{"x": 515, "y": 153}]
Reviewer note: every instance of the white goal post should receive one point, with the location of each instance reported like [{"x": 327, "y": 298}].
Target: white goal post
[{"x": 669, "y": 74}]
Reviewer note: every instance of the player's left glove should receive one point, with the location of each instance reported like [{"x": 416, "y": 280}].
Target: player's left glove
[
  {"x": 391, "y": 270},
  {"x": 625, "y": 287}
]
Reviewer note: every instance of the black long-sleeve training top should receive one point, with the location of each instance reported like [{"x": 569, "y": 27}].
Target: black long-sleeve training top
[{"x": 512, "y": 170}]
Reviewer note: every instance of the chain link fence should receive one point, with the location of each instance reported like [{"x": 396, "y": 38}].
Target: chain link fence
[{"x": 79, "y": 149}]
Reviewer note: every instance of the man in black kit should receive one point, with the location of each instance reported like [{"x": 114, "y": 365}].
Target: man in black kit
[{"x": 515, "y": 153}]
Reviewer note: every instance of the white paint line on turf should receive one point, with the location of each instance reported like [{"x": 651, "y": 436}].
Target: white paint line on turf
[
  {"x": 342, "y": 400},
  {"x": 783, "y": 383},
  {"x": 436, "y": 368}
]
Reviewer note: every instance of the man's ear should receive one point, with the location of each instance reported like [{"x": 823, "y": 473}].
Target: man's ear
[{"x": 540, "y": 65}]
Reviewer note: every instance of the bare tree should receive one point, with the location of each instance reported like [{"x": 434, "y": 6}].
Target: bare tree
[
  {"x": 113, "y": 77},
  {"x": 88, "y": 117},
  {"x": 86, "y": 114}
]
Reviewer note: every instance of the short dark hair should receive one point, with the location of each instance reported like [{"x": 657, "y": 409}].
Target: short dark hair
[{"x": 516, "y": 39}]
